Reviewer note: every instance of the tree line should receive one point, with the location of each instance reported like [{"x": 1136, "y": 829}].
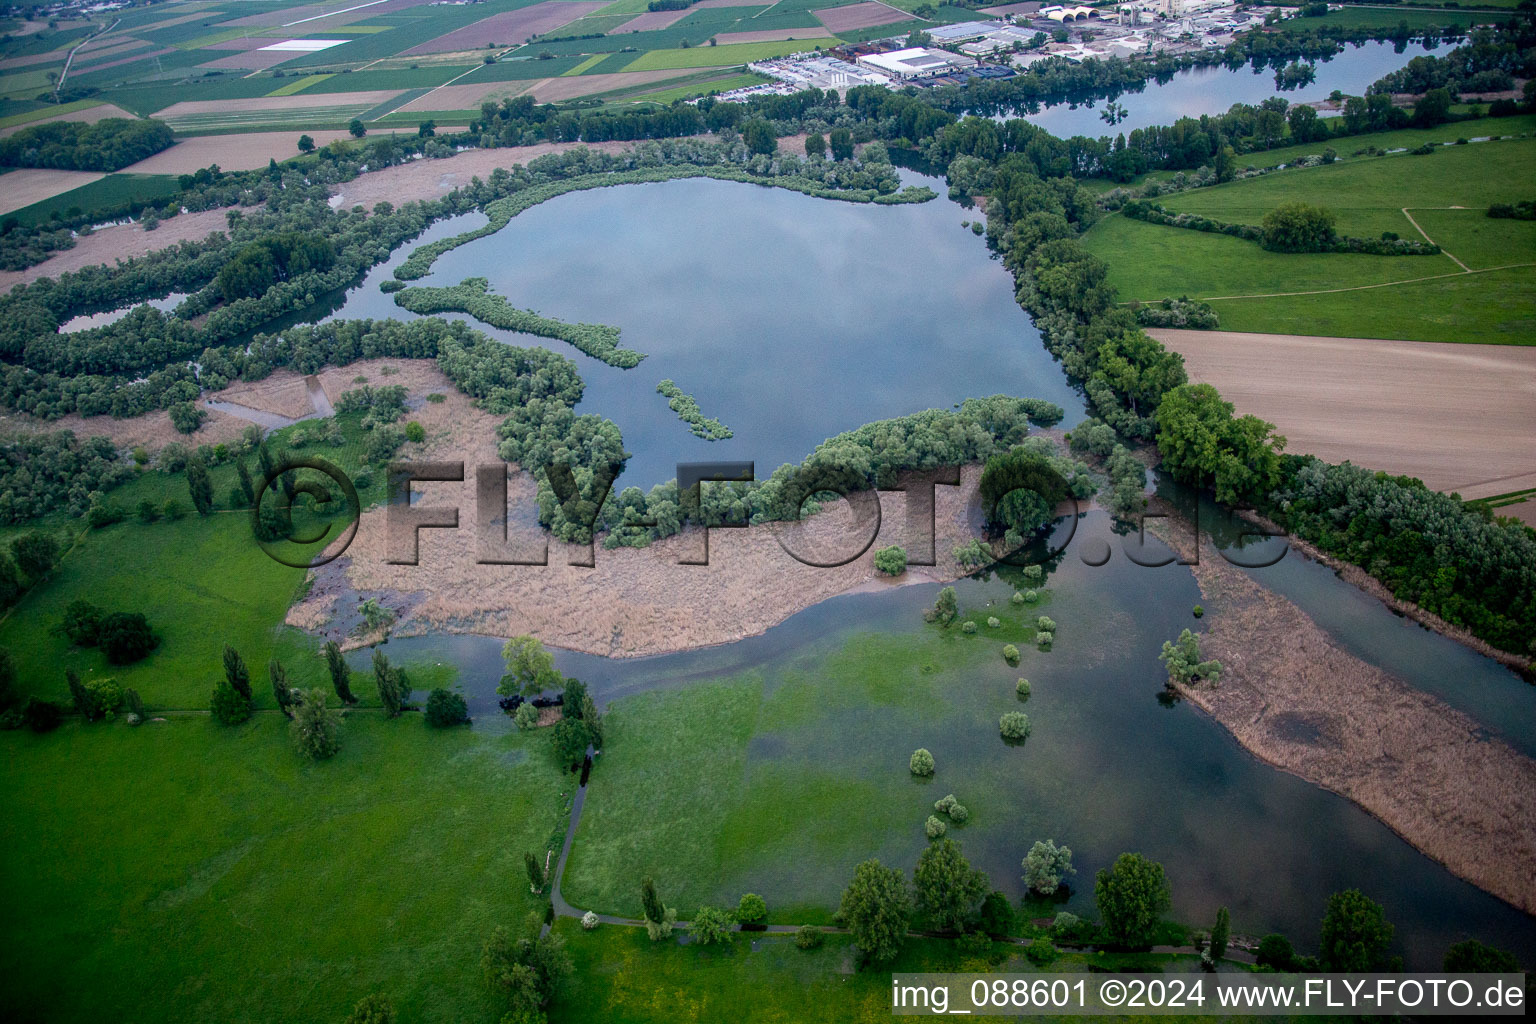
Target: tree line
[{"x": 107, "y": 145}]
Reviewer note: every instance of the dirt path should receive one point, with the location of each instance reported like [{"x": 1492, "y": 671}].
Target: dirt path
[
  {"x": 1431, "y": 241},
  {"x": 1298, "y": 701}
]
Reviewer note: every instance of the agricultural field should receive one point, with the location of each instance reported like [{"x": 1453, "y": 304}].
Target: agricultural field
[{"x": 1478, "y": 290}]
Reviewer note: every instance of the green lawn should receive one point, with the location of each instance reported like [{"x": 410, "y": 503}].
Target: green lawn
[
  {"x": 1367, "y": 194},
  {"x": 182, "y": 871}
]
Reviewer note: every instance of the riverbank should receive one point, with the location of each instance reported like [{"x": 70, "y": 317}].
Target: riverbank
[{"x": 1297, "y": 700}]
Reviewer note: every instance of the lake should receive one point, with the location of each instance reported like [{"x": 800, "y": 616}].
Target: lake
[{"x": 1213, "y": 90}]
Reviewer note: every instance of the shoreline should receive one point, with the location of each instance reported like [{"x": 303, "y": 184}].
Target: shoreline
[{"x": 1297, "y": 701}]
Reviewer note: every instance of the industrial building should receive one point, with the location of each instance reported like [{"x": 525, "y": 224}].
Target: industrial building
[{"x": 915, "y": 62}]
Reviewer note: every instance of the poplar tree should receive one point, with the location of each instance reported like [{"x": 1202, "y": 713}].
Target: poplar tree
[
  {"x": 237, "y": 674},
  {"x": 200, "y": 485},
  {"x": 341, "y": 675},
  {"x": 246, "y": 487},
  {"x": 389, "y": 689},
  {"x": 535, "y": 873},
  {"x": 281, "y": 691}
]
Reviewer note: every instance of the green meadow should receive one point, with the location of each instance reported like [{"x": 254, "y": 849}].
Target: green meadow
[
  {"x": 185, "y": 871},
  {"x": 1421, "y": 298}
]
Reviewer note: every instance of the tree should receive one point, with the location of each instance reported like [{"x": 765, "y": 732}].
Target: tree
[
  {"x": 530, "y": 668},
  {"x": 247, "y": 488},
  {"x": 946, "y": 606},
  {"x": 1433, "y": 108},
  {"x": 1183, "y": 660},
  {"x": 186, "y": 417},
  {"x": 996, "y": 918},
  {"x": 1355, "y": 933},
  {"x": 892, "y": 560},
  {"x": 573, "y": 698},
  {"x": 306, "y": 144},
  {"x": 7, "y": 678},
  {"x": 592, "y": 720},
  {"x": 315, "y": 728},
  {"x": 570, "y": 739},
  {"x": 751, "y": 909},
  {"x": 710, "y": 925},
  {"x": 126, "y": 637},
  {"x": 200, "y": 485},
  {"x": 356, "y": 128},
  {"x": 85, "y": 703},
  {"x": 816, "y": 145},
  {"x": 841, "y": 141},
  {"x": 1220, "y": 932},
  {"x": 341, "y": 675},
  {"x": 1473, "y": 957},
  {"x": 36, "y": 553},
  {"x": 1130, "y": 895},
  {"x": 228, "y": 706},
  {"x": 235, "y": 672},
  {"x": 426, "y": 130},
  {"x": 1014, "y": 726},
  {"x": 445, "y": 708},
  {"x": 1298, "y": 227},
  {"x": 1225, "y": 163},
  {"x": 372, "y": 1009},
  {"x": 1046, "y": 865},
  {"x": 281, "y": 691},
  {"x": 387, "y": 680},
  {"x": 875, "y": 908},
  {"x": 1275, "y": 952},
  {"x": 948, "y": 888},
  {"x": 1203, "y": 444},
  {"x": 921, "y": 763},
  {"x": 651, "y": 903},
  {"x": 759, "y": 137},
  {"x": 526, "y": 971},
  {"x": 535, "y": 871}
]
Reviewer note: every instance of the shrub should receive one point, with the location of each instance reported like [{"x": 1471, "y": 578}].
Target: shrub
[
  {"x": 1017, "y": 598},
  {"x": 1010, "y": 654},
  {"x": 526, "y": 716},
  {"x": 968, "y": 626},
  {"x": 415, "y": 432},
  {"x": 1065, "y": 925},
  {"x": 993, "y": 622},
  {"x": 372, "y": 1009},
  {"x": 1045, "y": 624},
  {"x": 892, "y": 560},
  {"x": 229, "y": 706},
  {"x": 1044, "y": 639},
  {"x": 1046, "y": 865},
  {"x": 943, "y": 806},
  {"x": 126, "y": 637},
  {"x": 958, "y": 814},
  {"x": 445, "y": 708},
  {"x": 41, "y": 715},
  {"x": 1199, "y": 610},
  {"x": 589, "y": 920},
  {"x": 710, "y": 925},
  {"x": 315, "y": 728},
  {"x": 1031, "y": 596},
  {"x": 1014, "y": 725},
  {"x": 921, "y": 763},
  {"x": 107, "y": 694},
  {"x": 809, "y": 937},
  {"x": 1182, "y": 656},
  {"x": 1298, "y": 227},
  {"x": 1276, "y": 953},
  {"x": 1022, "y": 688},
  {"x": 935, "y": 827},
  {"x": 1034, "y": 573},
  {"x": 751, "y": 909},
  {"x": 946, "y": 606},
  {"x": 1040, "y": 952}
]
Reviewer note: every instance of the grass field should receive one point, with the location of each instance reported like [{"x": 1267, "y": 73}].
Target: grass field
[
  {"x": 241, "y": 883},
  {"x": 621, "y": 976},
  {"x": 1368, "y": 195}
]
